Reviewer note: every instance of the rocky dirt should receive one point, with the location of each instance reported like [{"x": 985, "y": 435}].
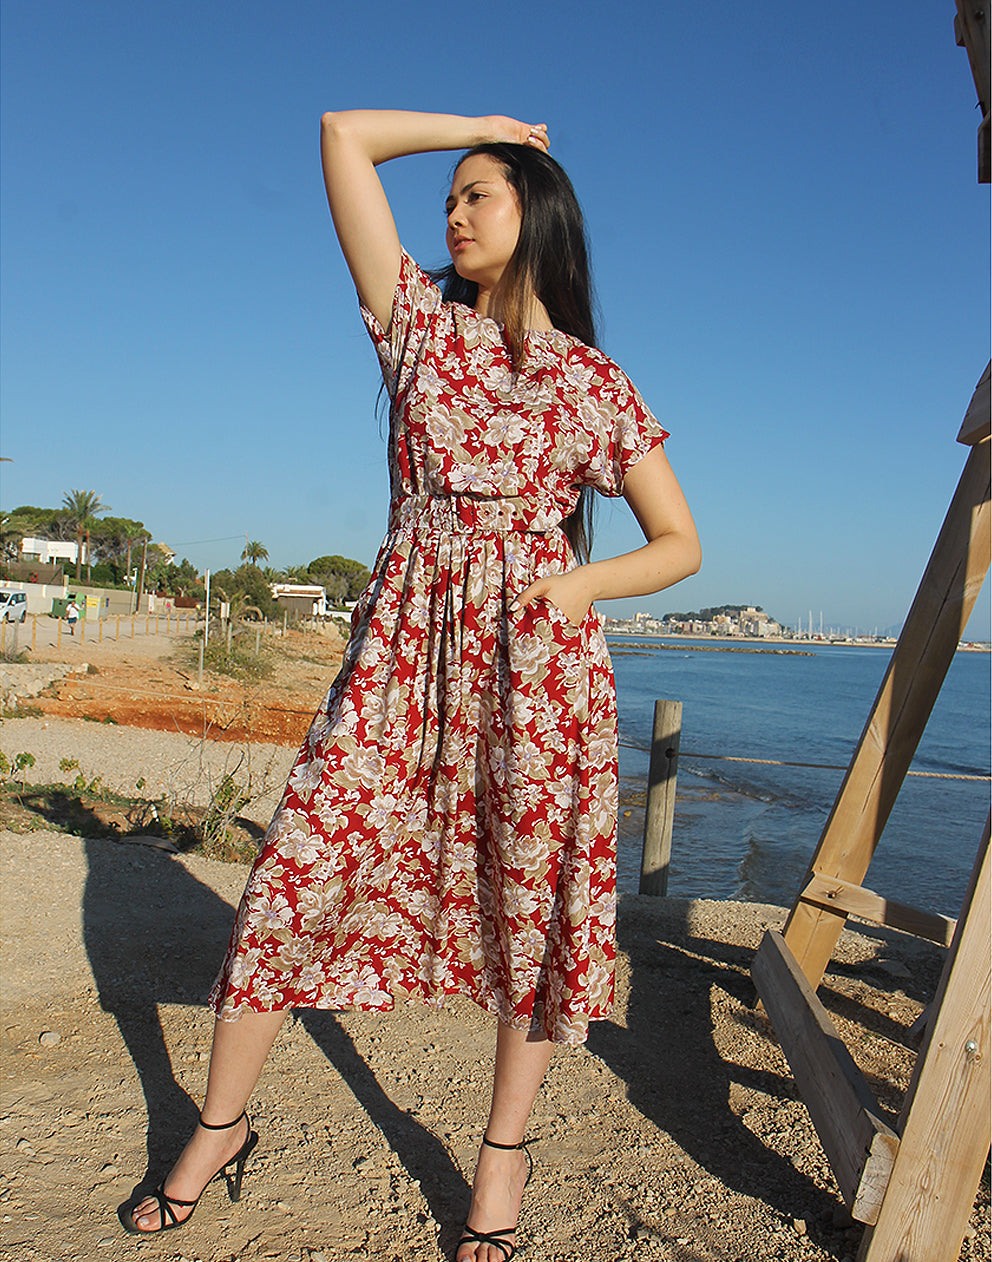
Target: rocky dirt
[
  {"x": 151, "y": 680},
  {"x": 674, "y": 1135}
]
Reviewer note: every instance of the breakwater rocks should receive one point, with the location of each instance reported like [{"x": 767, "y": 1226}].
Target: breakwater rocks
[{"x": 20, "y": 681}]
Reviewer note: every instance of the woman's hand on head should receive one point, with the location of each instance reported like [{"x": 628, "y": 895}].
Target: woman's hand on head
[
  {"x": 510, "y": 131},
  {"x": 570, "y": 593}
]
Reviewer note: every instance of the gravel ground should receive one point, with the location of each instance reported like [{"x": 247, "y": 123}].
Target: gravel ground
[
  {"x": 170, "y": 763},
  {"x": 674, "y": 1135}
]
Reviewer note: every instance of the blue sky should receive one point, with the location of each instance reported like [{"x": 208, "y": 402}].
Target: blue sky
[{"x": 789, "y": 241}]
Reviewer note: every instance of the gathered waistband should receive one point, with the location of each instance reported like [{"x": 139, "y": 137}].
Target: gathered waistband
[{"x": 469, "y": 514}]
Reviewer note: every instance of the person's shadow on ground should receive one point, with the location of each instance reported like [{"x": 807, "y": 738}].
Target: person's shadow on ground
[
  {"x": 155, "y": 935},
  {"x": 675, "y": 1074}
]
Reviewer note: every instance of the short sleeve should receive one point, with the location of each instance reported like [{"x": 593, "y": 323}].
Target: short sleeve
[
  {"x": 620, "y": 429},
  {"x": 636, "y": 431},
  {"x": 416, "y": 301}
]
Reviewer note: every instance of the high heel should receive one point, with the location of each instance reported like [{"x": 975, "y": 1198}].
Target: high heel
[
  {"x": 166, "y": 1217},
  {"x": 494, "y": 1238}
]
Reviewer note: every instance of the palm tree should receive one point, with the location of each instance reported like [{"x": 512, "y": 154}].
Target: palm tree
[
  {"x": 254, "y": 552},
  {"x": 80, "y": 508},
  {"x": 133, "y": 532}
]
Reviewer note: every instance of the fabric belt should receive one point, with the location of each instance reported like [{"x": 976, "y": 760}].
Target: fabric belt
[{"x": 468, "y": 514}]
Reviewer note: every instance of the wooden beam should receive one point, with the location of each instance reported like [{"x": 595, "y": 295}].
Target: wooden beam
[
  {"x": 946, "y": 1122},
  {"x": 922, "y": 657},
  {"x": 976, "y": 424},
  {"x": 854, "y": 900},
  {"x": 859, "y": 1145},
  {"x": 971, "y": 30}
]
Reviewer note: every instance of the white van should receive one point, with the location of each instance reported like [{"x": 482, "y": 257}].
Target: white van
[{"x": 13, "y": 606}]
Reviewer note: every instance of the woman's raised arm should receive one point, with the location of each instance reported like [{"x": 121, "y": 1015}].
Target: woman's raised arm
[{"x": 352, "y": 144}]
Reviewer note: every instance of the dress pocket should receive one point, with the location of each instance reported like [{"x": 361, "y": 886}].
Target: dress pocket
[{"x": 555, "y": 615}]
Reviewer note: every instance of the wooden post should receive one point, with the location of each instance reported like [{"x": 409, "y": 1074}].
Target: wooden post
[
  {"x": 148, "y": 618},
  {"x": 945, "y": 1123},
  {"x": 34, "y": 630},
  {"x": 660, "y": 808},
  {"x": 58, "y": 634},
  {"x": 118, "y": 633},
  {"x": 199, "y": 673},
  {"x": 99, "y": 632},
  {"x": 921, "y": 659},
  {"x": 132, "y": 626},
  {"x": 258, "y": 640}
]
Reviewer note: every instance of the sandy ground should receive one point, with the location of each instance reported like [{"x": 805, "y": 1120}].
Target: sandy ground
[{"x": 674, "y": 1135}]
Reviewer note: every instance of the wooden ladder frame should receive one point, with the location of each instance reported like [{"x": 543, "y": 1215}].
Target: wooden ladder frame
[{"x": 914, "y": 1184}]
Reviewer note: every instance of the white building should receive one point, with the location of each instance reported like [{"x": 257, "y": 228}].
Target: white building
[
  {"x": 50, "y": 551},
  {"x": 309, "y": 600}
]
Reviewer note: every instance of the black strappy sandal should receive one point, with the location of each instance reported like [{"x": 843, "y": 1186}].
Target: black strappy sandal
[
  {"x": 494, "y": 1238},
  {"x": 167, "y": 1219}
]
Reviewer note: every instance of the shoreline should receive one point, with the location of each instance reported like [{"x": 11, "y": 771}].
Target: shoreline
[{"x": 799, "y": 645}]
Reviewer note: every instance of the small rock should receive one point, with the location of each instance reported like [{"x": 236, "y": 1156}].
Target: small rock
[
  {"x": 286, "y": 1209},
  {"x": 109, "y": 1169},
  {"x": 50, "y": 1038},
  {"x": 799, "y": 1226},
  {"x": 107, "y": 1242},
  {"x": 24, "y": 1146}
]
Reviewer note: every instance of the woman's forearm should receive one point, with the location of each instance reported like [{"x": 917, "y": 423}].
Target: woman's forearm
[
  {"x": 385, "y": 134},
  {"x": 659, "y": 564},
  {"x": 664, "y": 561}
]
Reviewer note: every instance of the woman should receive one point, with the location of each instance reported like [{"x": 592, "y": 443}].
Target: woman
[{"x": 449, "y": 824}]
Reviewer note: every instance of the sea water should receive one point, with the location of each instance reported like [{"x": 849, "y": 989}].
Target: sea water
[{"x": 748, "y": 830}]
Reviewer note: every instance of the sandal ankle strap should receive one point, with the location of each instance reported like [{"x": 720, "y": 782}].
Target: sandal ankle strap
[
  {"x": 489, "y": 1143},
  {"x": 224, "y": 1126}
]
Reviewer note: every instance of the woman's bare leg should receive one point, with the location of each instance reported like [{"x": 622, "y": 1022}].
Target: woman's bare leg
[
  {"x": 236, "y": 1059},
  {"x": 521, "y": 1063}
]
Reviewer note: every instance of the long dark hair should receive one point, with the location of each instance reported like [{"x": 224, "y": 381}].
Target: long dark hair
[{"x": 551, "y": 260}]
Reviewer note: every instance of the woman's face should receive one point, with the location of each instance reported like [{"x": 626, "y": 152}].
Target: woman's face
[{"x": 483, "y": 220}]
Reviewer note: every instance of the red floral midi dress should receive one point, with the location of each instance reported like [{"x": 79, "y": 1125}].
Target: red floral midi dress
[{"x": 449, "y": 824}]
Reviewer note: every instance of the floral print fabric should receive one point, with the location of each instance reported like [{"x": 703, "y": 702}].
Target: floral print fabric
[{"x": 449, "y": 824}]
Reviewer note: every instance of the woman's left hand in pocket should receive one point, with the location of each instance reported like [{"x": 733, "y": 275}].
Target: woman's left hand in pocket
[{"x": 568, "y": 592}]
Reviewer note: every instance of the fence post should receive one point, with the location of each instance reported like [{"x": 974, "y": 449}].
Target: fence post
[
  {"x": 34, "y": 630},
  {"x": 660, "y": 809}
]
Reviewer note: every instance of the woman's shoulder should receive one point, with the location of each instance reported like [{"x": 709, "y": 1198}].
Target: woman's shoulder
[{"x": 593, "y": 365}]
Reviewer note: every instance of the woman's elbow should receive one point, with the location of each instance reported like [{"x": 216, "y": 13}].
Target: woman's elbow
[
  {"x": 333, "y": 125},
  {"x": 691, "y": 555}
]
